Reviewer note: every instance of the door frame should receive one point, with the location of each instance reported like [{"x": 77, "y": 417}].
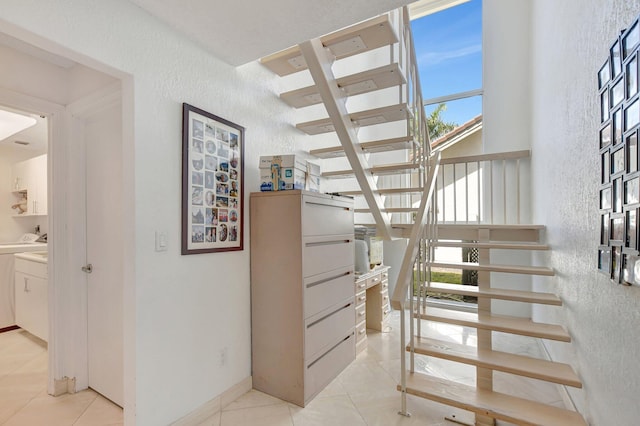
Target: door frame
[{"x": 68, "y": 325}]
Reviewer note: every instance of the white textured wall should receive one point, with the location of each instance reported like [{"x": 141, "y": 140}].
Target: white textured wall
[
  {"x": 569, "y": 44},
  {"x": 187, "y": 308}
]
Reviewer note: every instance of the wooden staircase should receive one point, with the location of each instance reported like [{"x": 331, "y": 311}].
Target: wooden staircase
[
  {"x": 373, "y": 180},
  {"x": 482, "y": 399}
]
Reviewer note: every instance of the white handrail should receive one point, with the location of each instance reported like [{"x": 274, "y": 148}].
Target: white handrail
[{"x": 417, "y": 231}]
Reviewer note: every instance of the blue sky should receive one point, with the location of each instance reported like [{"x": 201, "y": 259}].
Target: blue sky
[{"x": 449, "y": 52}]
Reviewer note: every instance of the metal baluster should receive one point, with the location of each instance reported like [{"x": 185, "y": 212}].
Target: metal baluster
[
  {"x": 518, "y": 189},
  {"x": 504, "y": 189},
  {"x": 466, "y": 191},
  {"x": 478, "y": 181}
]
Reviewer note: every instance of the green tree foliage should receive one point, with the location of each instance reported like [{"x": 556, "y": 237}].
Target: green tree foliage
[{"x": 436, "y": 125}]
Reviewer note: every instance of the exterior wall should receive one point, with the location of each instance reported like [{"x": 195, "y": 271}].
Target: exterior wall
[
  {"x": 506, "y": 124},
  {"x": 570, "y": 41},
  {"x": 471, "y": 145},
  {"x": 184, "y": 310}
]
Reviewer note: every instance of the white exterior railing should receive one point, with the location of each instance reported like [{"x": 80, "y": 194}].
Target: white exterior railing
[{"x": 483, "y": 188}]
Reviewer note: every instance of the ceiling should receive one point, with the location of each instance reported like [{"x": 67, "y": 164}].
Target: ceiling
[
  {"x": 241, "y": 31},
  {"x": 33, "y": 138}
]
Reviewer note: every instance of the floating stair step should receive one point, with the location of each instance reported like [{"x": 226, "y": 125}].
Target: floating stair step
[
  {"x": 505, "y": 324},
  {"x": 519, "y": 233},
  {"x": 387, "y": 191},
  {"x": 496, "y": 293},
  {"x": 512, "y": 269},
  {"x": 393, "y": 144},
  {"x": 398, "y": 230},
  {"x": 387, "y": 169},
  {"x": 355, "y": 84},
  {"x": 492, "y": 404},
  {"x": 390, "y": 210},
  {"x": 370, "y": 117},
  {"x": 359, "y": 38},
  {"x": 492, "y": 245},
  {"x": 540, "y": 369}
]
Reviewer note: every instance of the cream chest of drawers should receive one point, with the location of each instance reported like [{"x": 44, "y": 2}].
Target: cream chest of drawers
[
  {"x": 372, "y": 304},
  {"x": 302, "y": 293}
]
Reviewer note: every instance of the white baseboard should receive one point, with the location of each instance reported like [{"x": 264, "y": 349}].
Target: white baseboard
[
  {"x": 214, "y": 406},
  {"x": 64, "y": 385}
]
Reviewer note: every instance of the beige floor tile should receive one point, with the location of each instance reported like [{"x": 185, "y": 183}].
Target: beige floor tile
[
  {"x": 383, "y": 411},
  {"x": 211, "y": 421},
  {"x": 53, "y": 411},
  {"x": 334, "y": 388},
  {"x": 269, "y": 415},
  {"x": 334, "y": 410},
  {"x": 253, "y": 398},
  {"x": 362, "y": 377},
  {"x": 101, "y": 412}
]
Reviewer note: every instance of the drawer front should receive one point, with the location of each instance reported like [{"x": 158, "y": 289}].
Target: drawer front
[
  {"x": 385, "y": 275},
  {"x": 385, "y": 299},
  {"x": 386, "y": 312},
  {"x": 384, "y": 285},
  {"x": 361, "y": 313},
  {"x": 326, "y": 217},
  {"x": 361, "y": 332},
  {"x": 361, "y": 285},
  {"x": 361, "y": 298},
  {"x": 374, "y": 280},
  {"x": 325, "y": 290},
  {"x": 325, "y": 368},
  {"x": 361, "y": 346},
  {"x": 33, "y": 268},
  {"x": 325, "y": 331},
  {"x": 328, "y": 255}
]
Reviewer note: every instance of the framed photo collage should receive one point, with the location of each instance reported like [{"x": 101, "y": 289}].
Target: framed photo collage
[
  {"x": 619, "y": 198},
  {"x": 212, "y": 183}
]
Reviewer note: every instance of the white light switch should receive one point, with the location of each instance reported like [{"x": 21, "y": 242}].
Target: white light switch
[{"x": 161, "y": 241}]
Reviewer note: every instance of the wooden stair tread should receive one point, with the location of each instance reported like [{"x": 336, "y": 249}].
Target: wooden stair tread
[
  {"x": 359, "y": 38},
  {"x": 385, "y": 191},
  {"x": 384, "y": 145},
  {"x": 499, "y": 361},
  {"x": 390, "y": 210},
  {"x": 513, "y": 325},
  {"x": 490, "y": 226},
  {"x": 492, "y": 245},
  {"x": 387, "y": 169},
  {"x": 513, "y": 269},
  {"x": 488, "y": 403},
  {"x": 496, "y": 293},
  {"x": 369, "y": 117},
  {"x": 354, "y": 84}
]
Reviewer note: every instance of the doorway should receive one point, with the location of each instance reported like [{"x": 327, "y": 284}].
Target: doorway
[{"x": 85, "y": 216}]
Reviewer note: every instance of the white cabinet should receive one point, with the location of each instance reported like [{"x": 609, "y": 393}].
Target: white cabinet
[
  {"x": 31, "y": 292},
  {"x": 29, "y": 180},
  {"x": 302, "y": 294}
]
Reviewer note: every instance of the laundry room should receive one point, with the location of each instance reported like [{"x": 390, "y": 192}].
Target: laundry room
[{"x": 23, "y": 221}]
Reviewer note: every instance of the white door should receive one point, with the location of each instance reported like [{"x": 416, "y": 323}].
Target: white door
[{"x": 103, "y": 141}]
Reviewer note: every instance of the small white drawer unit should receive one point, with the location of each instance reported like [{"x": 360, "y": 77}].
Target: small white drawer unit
[
  {"x": 302, "y": 296},
  {"x": 31, "y": 292}
]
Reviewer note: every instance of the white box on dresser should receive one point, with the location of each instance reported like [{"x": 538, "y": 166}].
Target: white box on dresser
[{"x": 302, "y": 293}]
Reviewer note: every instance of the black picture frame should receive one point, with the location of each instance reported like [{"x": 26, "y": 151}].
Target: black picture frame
[
  {"x": 212, "y": 183},
  {"x": 618, "y": 80}
]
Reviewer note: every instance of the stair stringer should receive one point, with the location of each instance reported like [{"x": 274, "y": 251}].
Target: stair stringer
[{"x": 319, "y": 64}]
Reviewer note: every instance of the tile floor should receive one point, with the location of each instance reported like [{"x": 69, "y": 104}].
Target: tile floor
[{"x": 363, "y": 394}]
